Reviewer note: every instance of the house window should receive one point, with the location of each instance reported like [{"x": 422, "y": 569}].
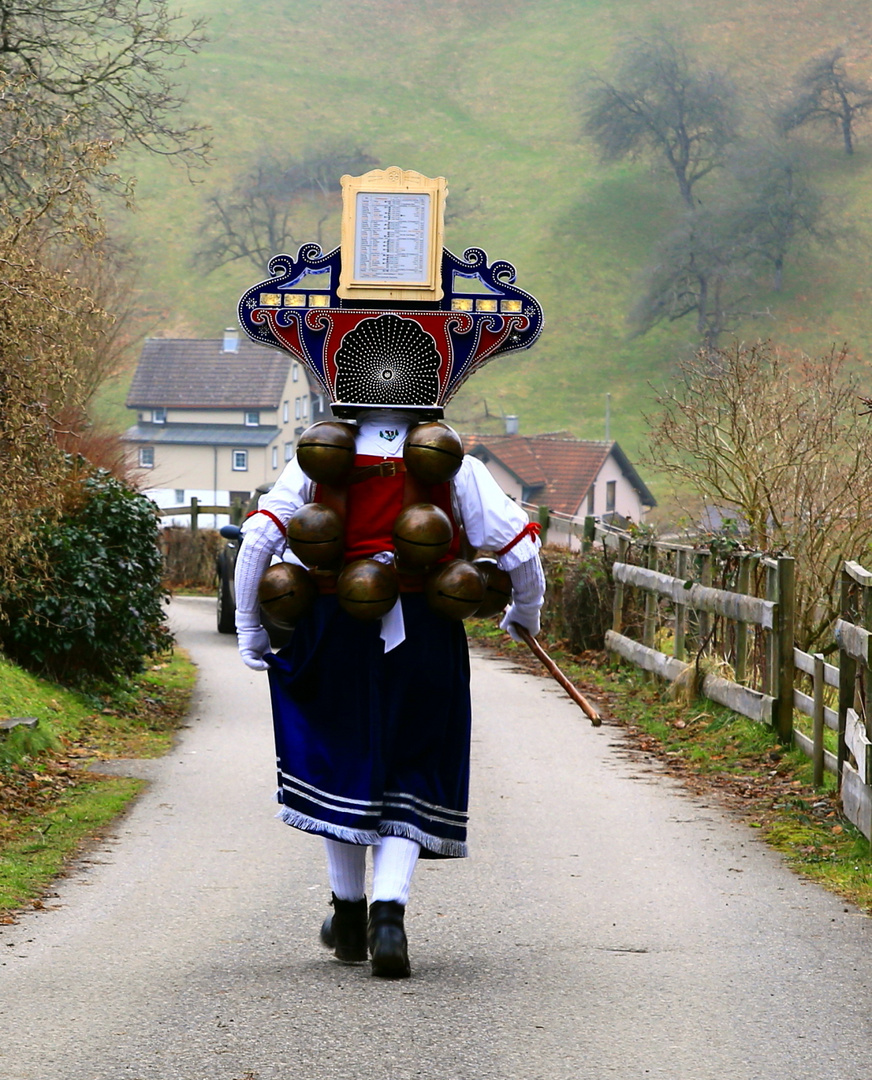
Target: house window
[
  {"x": 146, "y": 457},
  {"x": 289, "y": 451},
  {"x": 296, "y": 371},
  {"x": 240, "y": 461},
  {"x": 590, "y": 498},
  {"x": 180, "y": 496},
  {"x": 610, "y": 496},
  {"x": 159, "y": 416},
  {"x": 286, "y": 412},
  {"x": 275, "y": 457},
  {"x": 252, "y": 419},
  {"x": 305, "y": 408},
  {"x": 297, "y": 409}
]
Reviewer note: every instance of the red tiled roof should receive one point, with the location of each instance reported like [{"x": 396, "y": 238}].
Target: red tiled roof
[{"x": 561, "y": 466}]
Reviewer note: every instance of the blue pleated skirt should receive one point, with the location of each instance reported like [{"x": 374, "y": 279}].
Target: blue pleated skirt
[{"x": 372, "y": 744}]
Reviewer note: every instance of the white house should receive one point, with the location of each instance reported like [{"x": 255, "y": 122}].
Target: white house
[
  {"x": 216, "y": 418},
  {"x": 573, "y": 477}
]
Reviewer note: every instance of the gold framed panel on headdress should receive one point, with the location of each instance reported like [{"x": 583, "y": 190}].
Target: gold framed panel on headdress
[{"x": 392, "y": 229}]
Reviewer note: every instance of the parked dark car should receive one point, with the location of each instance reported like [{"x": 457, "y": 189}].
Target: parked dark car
[{"x": 225, "y": 567}]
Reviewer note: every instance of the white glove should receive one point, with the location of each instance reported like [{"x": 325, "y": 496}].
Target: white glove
[
  {"x": 253, "y": 643},
  {"x": 527, "y": 615},
  {"x": 528, "y": 590}
]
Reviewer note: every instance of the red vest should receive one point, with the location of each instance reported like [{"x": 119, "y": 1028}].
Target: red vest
[{"x": 370, "y": 505}]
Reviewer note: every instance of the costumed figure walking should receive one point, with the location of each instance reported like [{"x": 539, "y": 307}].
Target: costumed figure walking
[{"x": 360, "y": 546}]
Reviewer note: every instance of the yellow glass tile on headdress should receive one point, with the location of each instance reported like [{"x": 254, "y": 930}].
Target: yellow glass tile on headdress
[
  {"x": 461, "y": 303},
  {"x": 295, "y": 299},
  {"x": 319, "y": 300},
  {"x": 513, "y": 307},
  {"x": 270, "y": 299},
  {"x": 486, "y": 305}
]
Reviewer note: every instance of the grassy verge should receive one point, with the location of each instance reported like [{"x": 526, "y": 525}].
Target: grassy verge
[
  {"x": 720, "y": 755},
  {"x": 52, "y": 801}
]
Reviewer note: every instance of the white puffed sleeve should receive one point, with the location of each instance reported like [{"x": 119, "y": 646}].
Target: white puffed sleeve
[
  {"x": 262, "y": 539},
  {"x": 492, "y": 521}
]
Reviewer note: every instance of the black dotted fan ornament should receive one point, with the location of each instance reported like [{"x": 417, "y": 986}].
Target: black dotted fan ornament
[{"x": 388, "y": 361}]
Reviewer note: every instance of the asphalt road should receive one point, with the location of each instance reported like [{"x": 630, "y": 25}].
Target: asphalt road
[{"x": 606, "y": 925}]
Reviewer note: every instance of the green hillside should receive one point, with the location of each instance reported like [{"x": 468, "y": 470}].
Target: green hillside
[{"x": 484, "y": 93}]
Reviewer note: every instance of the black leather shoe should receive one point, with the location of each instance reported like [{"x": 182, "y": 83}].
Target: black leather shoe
[
  {"x": 345, "y": 930},
  {"x": 388, "y": 947}
]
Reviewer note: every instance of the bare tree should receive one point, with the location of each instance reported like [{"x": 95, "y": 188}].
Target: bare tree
[
  {"x": 709, "y": 265},
  {"x": 275, "y": 205},
  {"x": 106, "y": 70},
  {"x": 663, "y": 103},
  {"x": 783, "y": 445},
  {"x": 825, "y": 93},
  {"x": 778, "y": 207},
  {"x": 700, "y": 269}
]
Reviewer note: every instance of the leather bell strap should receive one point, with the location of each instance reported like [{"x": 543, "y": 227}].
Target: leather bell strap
[{"x": 388, "y": 467}]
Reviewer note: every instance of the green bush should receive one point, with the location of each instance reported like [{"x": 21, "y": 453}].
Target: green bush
[
  {"x": 95, "y": 608},
  {"x": 579, "y": 600}
]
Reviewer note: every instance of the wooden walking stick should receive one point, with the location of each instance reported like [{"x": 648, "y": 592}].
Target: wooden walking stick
[{"x": 540, "y": 654}]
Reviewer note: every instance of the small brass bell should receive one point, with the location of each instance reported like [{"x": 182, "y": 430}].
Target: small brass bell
[
  {"x": 422, "y": 536},
  {"x": 325, "y": 451},
  {"x": 497, "y": 587},
  {"x": 286, "y": 592},
  {"x": 367, "y": 589},
  {"x": 456, "y": 590},
  {"x": 316, "y": 535},
  {"x": 433, "y": 452}
]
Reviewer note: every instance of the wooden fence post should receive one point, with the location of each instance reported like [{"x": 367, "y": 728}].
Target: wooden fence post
[
  {"x": 818, "y": 721},
  {"x": 195, "y": 513},
  {"x": 770, "y": 682},
  {"x": 847, "y": 675},
  {"x": 785, "y": 672},
  {"x": 680, "y": 609},
  {"x": 866, "y": 615},
  {"x": 703, "y": 619},
  {"x": 618, "y": 607},
  {"x": 743, "y": 585},
  {"x": 589, "y": 535},
  {"x": 649, "y": 627},
  {"x": 544, "y": 519}
]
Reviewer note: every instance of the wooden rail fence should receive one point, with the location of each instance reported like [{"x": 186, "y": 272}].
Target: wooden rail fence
[
  {"x": 742, "y": 646},
  {"x": 194, "y": 508}
]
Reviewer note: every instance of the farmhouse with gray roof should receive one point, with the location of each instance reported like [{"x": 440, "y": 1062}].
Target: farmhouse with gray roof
[{"x": 216, "y": 418}]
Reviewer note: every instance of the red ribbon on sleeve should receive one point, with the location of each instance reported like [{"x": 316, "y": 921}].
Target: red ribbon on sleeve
[
  {"x": 276, "y": 521},
  {"x": 532, "y": 528}
]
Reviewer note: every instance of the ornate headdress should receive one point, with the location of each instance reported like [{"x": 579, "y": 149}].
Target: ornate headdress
[{"x": 391, "y": 318}]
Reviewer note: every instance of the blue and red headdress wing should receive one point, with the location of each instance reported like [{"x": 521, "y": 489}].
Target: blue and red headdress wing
[{"x": 390, "y": 354}]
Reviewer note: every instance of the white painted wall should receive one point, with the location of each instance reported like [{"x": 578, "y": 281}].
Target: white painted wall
[{"x": 627, "y": 501}]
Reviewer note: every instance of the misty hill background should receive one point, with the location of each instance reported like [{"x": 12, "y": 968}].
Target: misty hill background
[{"x": 485, "y": 93}]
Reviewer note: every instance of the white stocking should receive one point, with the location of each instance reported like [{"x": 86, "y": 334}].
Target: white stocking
[
  {"x": 346, "y": 869},
  {"x": 393, "y": 863}
]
